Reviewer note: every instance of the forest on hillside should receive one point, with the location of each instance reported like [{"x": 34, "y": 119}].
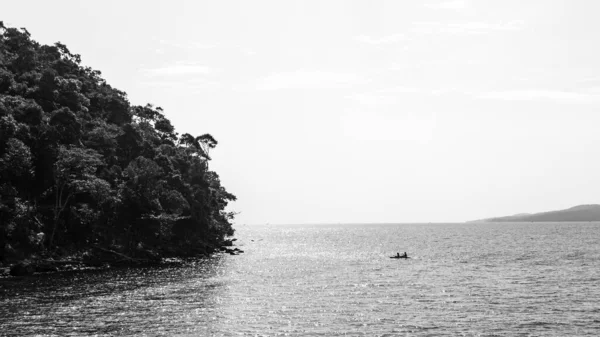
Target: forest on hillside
[{"x": 80, "y": 167}]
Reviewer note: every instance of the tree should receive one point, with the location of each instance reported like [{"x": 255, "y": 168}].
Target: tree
[
  {"x": 74, "y": 173},
  {"x": 79, "y": 162},
  {"x": 15, "y": 164},
  {"x": 207, "y": 143}
]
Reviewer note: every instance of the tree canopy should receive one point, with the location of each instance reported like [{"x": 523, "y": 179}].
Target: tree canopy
[{"x": 80, "y": 166}]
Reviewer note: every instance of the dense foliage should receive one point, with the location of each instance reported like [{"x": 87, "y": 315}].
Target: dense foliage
[{"x": 81, "y": 167}]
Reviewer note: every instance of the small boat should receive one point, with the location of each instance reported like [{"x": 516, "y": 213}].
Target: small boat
[{"x": 398, "y": 256}]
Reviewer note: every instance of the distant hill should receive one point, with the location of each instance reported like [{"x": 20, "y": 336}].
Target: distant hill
[{"x": 577, "y": 213}]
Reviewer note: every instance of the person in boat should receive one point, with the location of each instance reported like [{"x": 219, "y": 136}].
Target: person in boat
[{"x": 398, "y": 256}]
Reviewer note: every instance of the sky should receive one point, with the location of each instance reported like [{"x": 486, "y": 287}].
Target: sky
[{"x": 360, "y": 111}]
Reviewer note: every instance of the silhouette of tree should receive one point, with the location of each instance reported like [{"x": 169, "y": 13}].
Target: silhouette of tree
[{"x": 80, "y": 166}]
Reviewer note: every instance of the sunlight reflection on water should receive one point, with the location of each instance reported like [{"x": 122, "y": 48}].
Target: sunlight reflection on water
[{"x": 463, "y": 279}]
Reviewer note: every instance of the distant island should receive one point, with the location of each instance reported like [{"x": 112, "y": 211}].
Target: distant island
[{"x": 577, "y": 213}]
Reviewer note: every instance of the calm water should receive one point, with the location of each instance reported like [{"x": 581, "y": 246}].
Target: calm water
[{"x": 337, "y": 280}]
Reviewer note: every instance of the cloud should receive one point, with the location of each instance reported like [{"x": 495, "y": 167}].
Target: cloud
[
  {"x": 392, "y": 95},
  {"x": 177, "y": 85},
  {"x": 592, "y": 90},
  {"x": 591, "y": 79},
  {"x": 178, "y": 69},
  {"x": 468, "y": 28},
  {"x": 405, "y": 90},
  {"x": 591, "y": 95},
  {"x": 453, "y": 5},
  {"x": 305, "y": 79},
  {"x": 195, "y": 46},
  {"x": 415, "y": 128},
  {"x": 373, "y": 98},
  {"x": 436, "y": 28},
  {"x": 187, "y": 45},
  {"x": 381, "y": 40}
]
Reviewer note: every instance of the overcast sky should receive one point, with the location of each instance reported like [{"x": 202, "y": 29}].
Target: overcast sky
[{"x": 361, "y": 111}]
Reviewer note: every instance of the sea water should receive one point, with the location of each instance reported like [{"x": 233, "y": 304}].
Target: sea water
[{"x": 475, "y": 279}]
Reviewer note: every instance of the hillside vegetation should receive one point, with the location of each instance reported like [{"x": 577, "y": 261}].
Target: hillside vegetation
[
  {"x": 82, "y": 168},
  {"x": 577, "y": 213}
]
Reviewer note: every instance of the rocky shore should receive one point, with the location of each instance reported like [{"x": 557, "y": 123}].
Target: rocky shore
[{"x": 104, "y": 258}]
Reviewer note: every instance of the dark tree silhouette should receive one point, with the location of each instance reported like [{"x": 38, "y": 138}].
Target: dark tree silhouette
[{"x": 80, "y": 167}]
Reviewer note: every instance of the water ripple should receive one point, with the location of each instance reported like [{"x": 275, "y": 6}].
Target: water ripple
[{"x": 462, "y": 280}]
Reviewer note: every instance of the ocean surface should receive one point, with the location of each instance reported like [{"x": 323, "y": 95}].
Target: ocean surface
[{"x": 484, "y": 279}]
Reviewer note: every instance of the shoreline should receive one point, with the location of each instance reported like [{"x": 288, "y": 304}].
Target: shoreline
[{"x": 101, "y": 258}]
